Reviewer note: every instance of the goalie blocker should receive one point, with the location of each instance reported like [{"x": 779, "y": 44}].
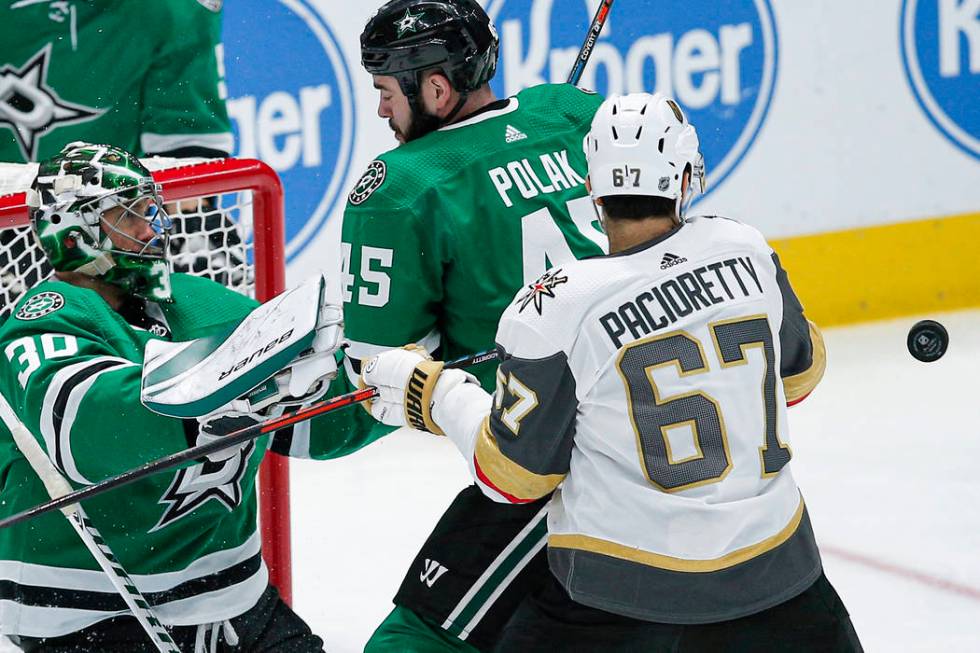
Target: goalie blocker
[{"x": 280, "y": 355}]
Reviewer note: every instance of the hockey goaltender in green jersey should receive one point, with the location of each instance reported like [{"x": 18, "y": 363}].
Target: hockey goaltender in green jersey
[{"x": 70, "y": 368}]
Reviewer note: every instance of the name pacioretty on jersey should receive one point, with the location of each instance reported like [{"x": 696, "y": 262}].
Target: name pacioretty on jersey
[{"x": 678, "y": 297}]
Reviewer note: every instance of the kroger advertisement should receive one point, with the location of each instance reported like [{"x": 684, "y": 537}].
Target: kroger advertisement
[{"x": 814, "y": 117}]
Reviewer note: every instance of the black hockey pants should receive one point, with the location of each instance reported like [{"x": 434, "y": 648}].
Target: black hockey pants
[{"x": 270, "y": 626}]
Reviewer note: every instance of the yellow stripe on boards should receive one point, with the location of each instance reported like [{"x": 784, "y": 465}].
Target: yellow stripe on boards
[{"x": 887, "y": 271}]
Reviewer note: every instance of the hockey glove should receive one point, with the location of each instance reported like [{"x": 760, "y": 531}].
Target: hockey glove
[
  {"x": 410, "y": 385},
  {"x": 307, "y": 377}
]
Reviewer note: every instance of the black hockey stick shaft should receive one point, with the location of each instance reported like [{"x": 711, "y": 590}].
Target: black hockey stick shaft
[
  {"x": 232, "y": 439},
  {"x": 590, "y": 40}
]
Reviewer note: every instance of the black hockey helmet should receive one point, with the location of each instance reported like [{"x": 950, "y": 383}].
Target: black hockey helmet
[{"x": 408, "y": 37}]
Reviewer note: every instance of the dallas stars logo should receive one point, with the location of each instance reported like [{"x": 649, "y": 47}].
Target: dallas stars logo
[
  {"x": 40, "y": 305},
  {"x": 369, "y": 182},
  {"x": 537, "y": 291},
  {"x": 408, "y": 23},
  {"x": 30, "y": 107},
  {"x": 193, "y": 486}
]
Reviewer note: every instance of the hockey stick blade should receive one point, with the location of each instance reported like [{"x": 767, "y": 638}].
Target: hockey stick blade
[
  {"x": 591, "y": 37},
  {"x": 230, "y": 440}
]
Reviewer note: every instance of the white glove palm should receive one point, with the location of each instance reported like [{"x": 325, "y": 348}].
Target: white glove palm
[
  {"x": 311, "y": 372},
  {"x": 410, "y": 384},
  {"x": 307, "y": 377}
]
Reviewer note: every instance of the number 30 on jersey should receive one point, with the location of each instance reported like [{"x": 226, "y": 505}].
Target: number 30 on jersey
[{"x": 24, "y": 353}]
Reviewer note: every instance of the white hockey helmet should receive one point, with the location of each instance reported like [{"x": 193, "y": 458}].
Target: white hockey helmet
[{"x": 641, "y": 144}]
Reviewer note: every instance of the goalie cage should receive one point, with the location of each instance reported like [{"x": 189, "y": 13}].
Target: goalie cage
[{"x": 228, "y": 226}]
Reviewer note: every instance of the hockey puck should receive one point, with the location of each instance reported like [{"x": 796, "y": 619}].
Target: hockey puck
[{"x": 927, "y": 340}]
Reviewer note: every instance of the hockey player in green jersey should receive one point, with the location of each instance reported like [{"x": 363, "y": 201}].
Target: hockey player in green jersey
[
  {"x": 479, "y": 198},
  {"x": 72, "y": 352},
  {"x": 140, "y": 75}
]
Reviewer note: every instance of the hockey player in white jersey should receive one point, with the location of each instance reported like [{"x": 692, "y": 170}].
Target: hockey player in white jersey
[{"x": 648, "y": 390}]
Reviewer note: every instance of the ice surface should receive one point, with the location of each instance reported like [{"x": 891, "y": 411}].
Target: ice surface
[{"x": 886, "y": 451}]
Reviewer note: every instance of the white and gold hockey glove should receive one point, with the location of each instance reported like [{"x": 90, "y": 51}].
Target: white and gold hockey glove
[{"x": 410, "y": 384}]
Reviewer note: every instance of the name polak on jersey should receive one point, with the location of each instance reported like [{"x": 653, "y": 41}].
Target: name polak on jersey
[
  {"x": 678, "y": 297},
  {"x": 549, "y": 173}
]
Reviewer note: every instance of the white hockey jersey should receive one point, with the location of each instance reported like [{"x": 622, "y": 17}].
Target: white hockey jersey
[{"x": 652, "y": 385}]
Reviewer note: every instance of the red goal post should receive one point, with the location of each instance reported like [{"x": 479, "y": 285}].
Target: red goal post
[{"x": 228, "y": 216}]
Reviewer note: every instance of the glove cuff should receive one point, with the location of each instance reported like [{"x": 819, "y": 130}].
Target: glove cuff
[{"x": 418, "y": 396}]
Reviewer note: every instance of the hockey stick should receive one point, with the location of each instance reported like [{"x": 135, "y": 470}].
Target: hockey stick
[
  {"x": 590, "y": 40},
  {"x": 58, "y": 487},
  {"x": 232, "y": 439}
]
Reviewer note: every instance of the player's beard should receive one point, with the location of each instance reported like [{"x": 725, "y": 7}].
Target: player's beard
[{"x": 422, "y": 123}]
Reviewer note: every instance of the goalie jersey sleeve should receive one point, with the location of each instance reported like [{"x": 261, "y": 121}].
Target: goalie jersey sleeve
[
  {"x": 73, "y": 377},
  {"x": 650, "y": 388}
]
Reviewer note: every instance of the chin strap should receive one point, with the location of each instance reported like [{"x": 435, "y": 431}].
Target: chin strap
[
  {"x": 97, "y": 266},
  {"x": 436, "y": 123},
  {"x": 459, "y": 106}
]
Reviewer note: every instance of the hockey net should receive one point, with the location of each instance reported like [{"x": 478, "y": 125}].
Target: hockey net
[{"x": 228, "y": 227}]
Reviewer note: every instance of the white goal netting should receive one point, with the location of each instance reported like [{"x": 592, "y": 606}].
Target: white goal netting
[{"x": 213, "y": 234}]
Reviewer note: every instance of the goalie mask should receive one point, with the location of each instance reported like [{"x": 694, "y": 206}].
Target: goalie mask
[
  {"x": 90, "y": 205},
  {"x": 641, "y": 144}
]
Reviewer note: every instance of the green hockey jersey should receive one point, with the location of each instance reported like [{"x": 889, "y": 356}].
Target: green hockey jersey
[
  {"x": 440, "y": 232},
  {"x": 71, "y": 370},
  {"x": 140, "y": 75}
]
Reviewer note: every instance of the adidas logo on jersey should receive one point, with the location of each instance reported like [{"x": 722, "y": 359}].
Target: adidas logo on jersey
[
  {"x": 670, "y": 260},
  {"x": 514, "y": 134}
]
